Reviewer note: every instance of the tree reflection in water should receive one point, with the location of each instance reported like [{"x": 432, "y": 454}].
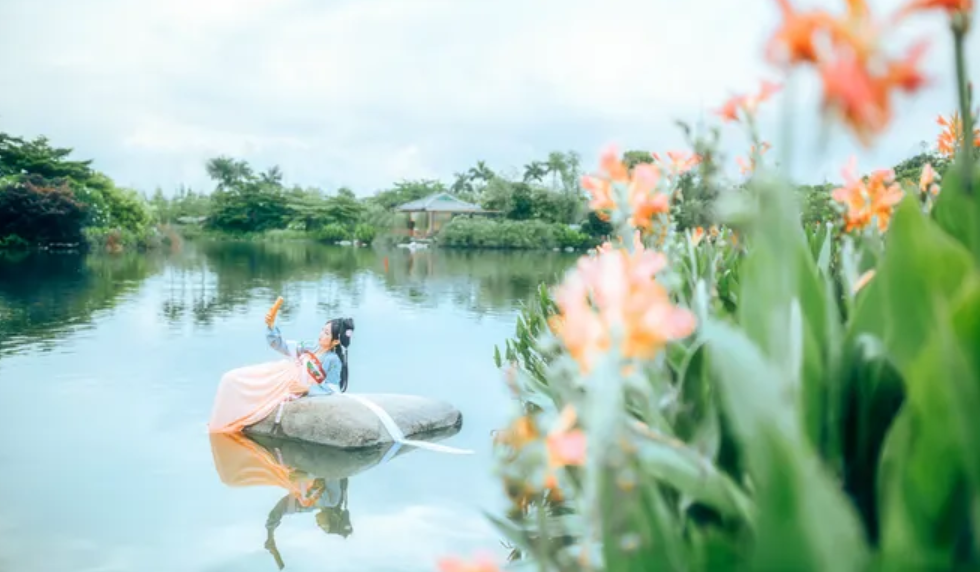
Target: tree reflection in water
[{"x": 46, "y": 296}]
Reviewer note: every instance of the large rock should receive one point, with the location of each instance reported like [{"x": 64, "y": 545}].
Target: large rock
[{"x": 340, "y": 422}]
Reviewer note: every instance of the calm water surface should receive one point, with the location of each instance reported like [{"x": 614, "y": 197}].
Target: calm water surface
[{"x": 108, "y": 368}]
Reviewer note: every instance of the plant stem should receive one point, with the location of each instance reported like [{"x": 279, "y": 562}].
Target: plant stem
[{"x": 962, "y": 82}]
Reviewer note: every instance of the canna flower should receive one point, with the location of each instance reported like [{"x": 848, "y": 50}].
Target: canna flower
[
  {"x": 951, "y": 137},
  {"x": 617, "y": 289},
  {"x": 566, "y": 445},
  {"x": 794, "y": 42},
  {"x": 868, "y": 200},
  {"x": 696, "y": 235},
  {"x": 927, "y": 180},
  {"x": 951, "y": 7},
  {"x": 481, "y": 563},
  {"x": 858, "y": 77},
  {"x": 747, "y": 104},
  {"x": 749, "y": 165},
  {"x": 678, "y": 161},
  {"x": 641, "y": 194},
  {"x": 522, "y": 431}
]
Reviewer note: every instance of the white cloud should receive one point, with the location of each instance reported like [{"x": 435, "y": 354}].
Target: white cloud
[{"x": 364, "y": 93}]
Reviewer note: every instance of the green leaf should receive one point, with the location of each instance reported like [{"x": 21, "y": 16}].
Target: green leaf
[
  {"x": 922, "y": 267},
  {"x": 804, "y": 521},
  {"x": 956, "y": 212},
  {"x": 687, "y": 471},
  {"x": 780, "y": 268},
  {"x": 931, "y": 469}
]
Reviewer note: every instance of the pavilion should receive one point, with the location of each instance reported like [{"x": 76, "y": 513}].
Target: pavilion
[{"x": 436, "y": 204}]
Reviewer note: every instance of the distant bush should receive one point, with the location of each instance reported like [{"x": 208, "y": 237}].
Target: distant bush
[
  {"x": 466, "y": 232},
  {"x": 365, "y": 233},
  {"x": 332, "y": 233}
]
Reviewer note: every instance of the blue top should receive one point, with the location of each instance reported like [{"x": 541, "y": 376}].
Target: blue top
[{"x": 330, "y": 360}]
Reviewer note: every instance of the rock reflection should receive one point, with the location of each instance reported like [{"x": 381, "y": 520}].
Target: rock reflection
[{"x": 315, "y": 478}]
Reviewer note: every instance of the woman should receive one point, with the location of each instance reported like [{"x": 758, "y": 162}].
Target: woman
[{"x": 249, "y": 394}]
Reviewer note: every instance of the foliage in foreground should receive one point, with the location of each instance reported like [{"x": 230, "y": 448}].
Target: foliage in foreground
[{"x": 765, "y": 396}]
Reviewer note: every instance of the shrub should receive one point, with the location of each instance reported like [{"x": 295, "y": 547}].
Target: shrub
[
  {"x": 41, "y": 214},
  {"x": 481, "y": 232},
  {"x": 365, "y": 233},
  {"x": 567, "y": 237},
  {"x": 332, "y": 233}
]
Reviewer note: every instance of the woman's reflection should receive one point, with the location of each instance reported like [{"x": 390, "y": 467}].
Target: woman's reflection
[
  {"x": 241, "y": 462},
  {"x": 329, "y": 497}
]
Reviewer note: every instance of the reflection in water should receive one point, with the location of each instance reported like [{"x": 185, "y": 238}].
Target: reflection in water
[
  {"x": 314, "y": 477},
  {"x": 241, "y": 462},
  {"x": 141, "y": 340},
  {"x": 44, "y": 296},
  {"x": 216, "y": 279}
]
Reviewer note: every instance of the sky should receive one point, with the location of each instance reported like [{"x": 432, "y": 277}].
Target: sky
[{"x": 363, "y": 94}]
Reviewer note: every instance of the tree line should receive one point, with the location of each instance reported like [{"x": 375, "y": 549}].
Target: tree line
[{"x": 48, "y": 198}]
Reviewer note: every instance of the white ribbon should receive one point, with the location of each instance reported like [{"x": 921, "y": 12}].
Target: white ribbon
[{"x": 396, "y": 433}]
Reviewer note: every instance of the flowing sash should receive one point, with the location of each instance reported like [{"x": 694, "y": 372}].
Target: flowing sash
[{"x": 396, "y": 433}]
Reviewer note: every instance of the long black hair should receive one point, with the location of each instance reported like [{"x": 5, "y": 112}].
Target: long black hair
[{"x": 341, "y": 329}]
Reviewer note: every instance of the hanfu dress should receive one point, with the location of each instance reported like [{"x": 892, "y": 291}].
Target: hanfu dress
[{"x": 247, "y": 395}]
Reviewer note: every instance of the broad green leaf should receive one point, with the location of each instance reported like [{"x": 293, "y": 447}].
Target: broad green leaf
[
  {"x": 873, "y": 396},
  {"x": 956, "y": 212},
  {"x": 780, "y": 268},
  {"x": 933, "y": 462},
  {"x": 804, "y": 521},
  {"x": 675, "y": 464},
  {"x": 922, "y": 266}
]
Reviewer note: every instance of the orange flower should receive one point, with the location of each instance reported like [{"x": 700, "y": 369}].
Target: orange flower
[
  {"x": 748, "y": 166},
  {"x": 644, "y": 200},
  {"x": 618, "y": 288},
  {"x": 951, "y": 137},
  {"x": 860, "y": 100},
  {"x": 566, "y": 445},
  {"x": 858, "y": 76},
  {"x": 521, "y": 432},
  {"x": 696, "y": 235},
  {"x": 642, "y": 196},
  {"x": 678, "y": 161},
  {"x": 481, "y": 563},
  {"x": 949, "y": 6},
  {"x": 747, "y": 104},
  {"x": 870, "y": 200},
  {"x": 927, "y": 180},
  {"x": 793, "y": 43}
]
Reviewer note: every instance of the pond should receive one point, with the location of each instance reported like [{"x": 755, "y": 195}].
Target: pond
[{"x": 108, "y": 369}]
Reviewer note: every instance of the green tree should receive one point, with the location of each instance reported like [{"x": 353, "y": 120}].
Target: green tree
[{"x": 243, "y": 201}]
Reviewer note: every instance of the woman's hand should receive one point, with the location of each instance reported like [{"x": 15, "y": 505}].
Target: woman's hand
[{"x": 270, "y": 317}]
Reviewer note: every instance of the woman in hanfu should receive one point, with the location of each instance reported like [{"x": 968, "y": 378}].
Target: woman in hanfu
[{"x": 249, "y": 394}]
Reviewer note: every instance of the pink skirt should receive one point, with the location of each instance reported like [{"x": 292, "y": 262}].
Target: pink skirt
[{"x": 247, "y": 395}]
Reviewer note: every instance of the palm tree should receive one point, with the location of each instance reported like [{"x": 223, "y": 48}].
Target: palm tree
[
  {"x": 556, "y": 166},
  {"x": 482, "y": 172},
  {"x": 534, "y": 171}
]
